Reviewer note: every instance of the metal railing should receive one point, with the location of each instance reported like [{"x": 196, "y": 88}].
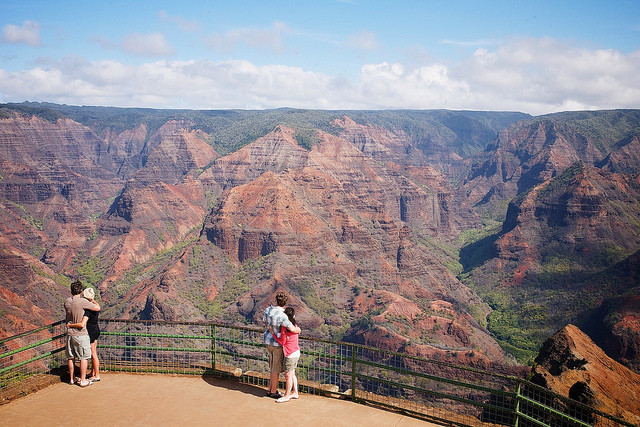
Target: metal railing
[{"x": 440, "y": 392}]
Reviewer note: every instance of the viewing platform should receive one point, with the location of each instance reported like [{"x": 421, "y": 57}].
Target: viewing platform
[
  {"x": 122, "y": 399},
  {"x": 199, "y": 373}
]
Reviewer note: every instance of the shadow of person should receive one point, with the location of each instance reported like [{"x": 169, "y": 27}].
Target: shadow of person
[
  {"x": 63, "y": 373},
  {"x": 233, "y": 384}
]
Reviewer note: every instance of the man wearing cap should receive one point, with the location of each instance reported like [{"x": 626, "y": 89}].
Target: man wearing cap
[
  {"x": 273, "y": 318},
  {"x": 78, "y": 344}
]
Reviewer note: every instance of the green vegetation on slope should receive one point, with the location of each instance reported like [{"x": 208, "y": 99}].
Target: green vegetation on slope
[{"x": 464, "y": 132}]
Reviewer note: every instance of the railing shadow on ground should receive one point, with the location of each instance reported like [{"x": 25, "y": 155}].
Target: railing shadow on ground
[{"x": 432, "y": 390}]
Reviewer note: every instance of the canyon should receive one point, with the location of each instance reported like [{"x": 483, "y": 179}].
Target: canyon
[{"x": 468, "y": 237}]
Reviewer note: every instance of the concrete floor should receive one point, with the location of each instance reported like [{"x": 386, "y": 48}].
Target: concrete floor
[{"x": 121, "y": 399}]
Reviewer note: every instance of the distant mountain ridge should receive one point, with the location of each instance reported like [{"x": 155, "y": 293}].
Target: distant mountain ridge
[{"x": 441, "y": 233}]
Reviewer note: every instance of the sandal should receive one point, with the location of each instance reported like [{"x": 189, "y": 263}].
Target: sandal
[
  {"x": 94, "y": 379},
  {"x": 275, "y": 395},
  {"x": 283, "y": 399},
  {"x": 85, "y": 383}
]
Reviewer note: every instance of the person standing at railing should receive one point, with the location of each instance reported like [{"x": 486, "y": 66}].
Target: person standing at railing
[
  {"x": 94, "y": 333},
  {"x": 274, "y": 318},
  {"x": 90, "y": 321},
  {"x": 289, "y": 340},
  {"x": 78, "y": 343}
]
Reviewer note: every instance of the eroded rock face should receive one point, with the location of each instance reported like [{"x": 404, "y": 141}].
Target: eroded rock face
[
  {"x": 59, "y": 175},
  {"x": 440, "y": 207},
  {"x": 334, "y": 221},
  {"x": 615, "y": 324},
  {"x": 35, "y": 142},
  {"x": 319, "y": 195},
  {"x": 27, "y": 299},
  {"x": 432, "y": 328},
  {"x": 578, "y": 209},
  {"x": 165, "y": 226},
  {"x": 172, "y": 152},
  {"x": 625, "y": 159},
  {"x": 571, "y": 364},
  {"x": 379, "y": 143},
  {"x": 274, "y": 152},
  {"x": 534, "y": 151}
]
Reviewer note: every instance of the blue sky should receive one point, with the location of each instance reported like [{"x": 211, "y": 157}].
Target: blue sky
[{"x": 532, "y": 56}]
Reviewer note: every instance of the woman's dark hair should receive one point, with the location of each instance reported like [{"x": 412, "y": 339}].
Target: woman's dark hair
[{"x": 291, "y": 314}]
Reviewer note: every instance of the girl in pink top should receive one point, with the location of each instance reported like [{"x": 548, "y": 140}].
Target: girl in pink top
[{"x": 289, "y": 341}]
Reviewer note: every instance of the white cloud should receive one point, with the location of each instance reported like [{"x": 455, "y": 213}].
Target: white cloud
[
  {"x": 257, "y": 38},
  {"x": 536, "y": 76},
  {"x": 364, "y": 40},
  {"x": 28, "y": 34},
  {"x": 164, "y": 84},
  {"x": 152, "y": 45},
  {"x": 391, "y": 86},
  {"x": 547, "y": 75}
]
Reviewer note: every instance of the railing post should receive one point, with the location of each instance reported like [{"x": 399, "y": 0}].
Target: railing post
[
  {"x": 213, "y": 349},
  {"x": 353, "y": 371},
  {"x": 516, "y": 412}
]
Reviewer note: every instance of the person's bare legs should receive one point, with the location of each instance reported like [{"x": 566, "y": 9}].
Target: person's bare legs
[
  {"x": 72, "y": 366},
  {"x": 95, "y": 363},
  {"x": 83, "y": 369},
  {"x": 294, "y": 392},
  {"x": 288, "y": 377}
]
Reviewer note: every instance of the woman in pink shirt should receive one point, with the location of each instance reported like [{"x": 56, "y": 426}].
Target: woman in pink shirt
[{"x": 289, "y": 341}]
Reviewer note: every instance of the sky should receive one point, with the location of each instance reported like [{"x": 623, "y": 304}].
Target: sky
[{"x": 535, "y": 56}]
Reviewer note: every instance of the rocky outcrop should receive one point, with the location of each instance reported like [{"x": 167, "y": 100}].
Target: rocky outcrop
[
  {"x": 615, "y": 327},
  {"x": 432, "y": 328},
  {"x": 144, "y": 221},
  {"x": 625, "y": 159},
  {"x": 266, "y": 215},
  {"x": 58, "y": 174},
  {"x": 379, "y": 143},
  {"x": 29, "y": 296},
  {"x": 582, "y": 207},
  {"x": 275, "y": 152},
  {"x": 172, "y": 152},
  {"x": 570, "y": 364}
]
